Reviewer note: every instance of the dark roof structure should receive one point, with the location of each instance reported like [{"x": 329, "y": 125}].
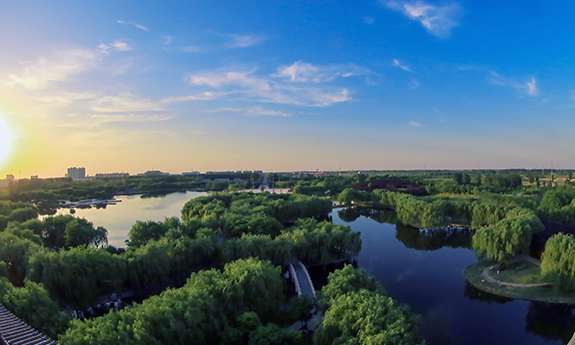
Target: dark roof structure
[{"x": 14, "y": 331}]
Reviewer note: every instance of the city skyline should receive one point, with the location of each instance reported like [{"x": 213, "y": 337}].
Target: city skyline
[{"x": 284, "y": 86}]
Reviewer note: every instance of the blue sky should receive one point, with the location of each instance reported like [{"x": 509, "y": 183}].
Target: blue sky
[{"x": 282, "y": 86}]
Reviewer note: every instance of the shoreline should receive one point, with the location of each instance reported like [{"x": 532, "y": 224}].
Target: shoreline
[{"x": 473, "y": 274}]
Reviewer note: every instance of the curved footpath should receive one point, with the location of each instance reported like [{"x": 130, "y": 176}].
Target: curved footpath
[{"x": 525, "y": 258}]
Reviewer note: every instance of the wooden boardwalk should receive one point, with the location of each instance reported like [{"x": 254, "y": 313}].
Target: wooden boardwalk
[{"x": 14, "y": 331}]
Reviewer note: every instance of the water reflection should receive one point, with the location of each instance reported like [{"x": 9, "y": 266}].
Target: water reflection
[
  {"x": 433, "y": 239},
  {"x": 475, "y": 294},
  {"x": 551, "y": 321},
  {"x": 351, "y": 214}
]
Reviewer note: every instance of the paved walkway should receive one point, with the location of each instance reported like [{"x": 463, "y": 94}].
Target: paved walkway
[{"x": 524, "y": 257}]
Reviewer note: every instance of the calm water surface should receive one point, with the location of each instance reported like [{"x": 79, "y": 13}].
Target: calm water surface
[
  {"x": 119, "y": 218},
  {"x": 430, "y": 281}
]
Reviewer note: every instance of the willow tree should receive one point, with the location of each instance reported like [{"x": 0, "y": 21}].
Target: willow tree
[
  {"x": 508, "y": 238},
  {"x": 558, "y": 261}
]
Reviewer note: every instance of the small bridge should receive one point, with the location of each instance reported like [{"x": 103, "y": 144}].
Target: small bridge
[
  {"x": 304, "y": 288},
  {"x": 300, "y": 277},
  {"x": 14, "y": 331}
]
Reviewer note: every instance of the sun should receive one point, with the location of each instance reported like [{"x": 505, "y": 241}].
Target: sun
[{"x": 4, "y": 142}]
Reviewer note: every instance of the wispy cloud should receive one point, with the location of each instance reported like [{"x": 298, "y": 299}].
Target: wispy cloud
[
  {"x": 437, "y": 19},
  {"x": 416, "y": 124},
  {"x": 101, "y": 119},
  {"x": 396, "y": 63},
  {"x": 245, "y": 85},
  {"x": 244, "y": 41},
  {"x": 414, "y": 83},
  {"x": 191, "y": 49},
  {"x": 139, "y": 26},
  {"x": 239, "y": 40},
  {"x": 66, "y": 98},
  {"x": 532, "y": 87},
  {"x": 204, "y": 96},
  {"x": 122, "y": 103},
  {"x": 252, "y": 111},
  {"x": 528, "y": 87},
  {"x": 304, "y": 72},
  {"x": 368, "y": 20},
  {"x": 56, "y": 68}
]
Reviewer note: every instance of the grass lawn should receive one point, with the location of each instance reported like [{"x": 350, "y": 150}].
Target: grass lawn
[
  {"x": 543, "y": 294},
  {"x": 520, "y": 273}
]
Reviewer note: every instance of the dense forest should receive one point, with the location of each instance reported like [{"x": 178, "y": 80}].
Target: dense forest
[{"x": 222, "y": 261}]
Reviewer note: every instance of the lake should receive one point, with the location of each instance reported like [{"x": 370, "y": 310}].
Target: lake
[
  {"x": 118, "y": 219},
  {"x": 415, "y": 268}
]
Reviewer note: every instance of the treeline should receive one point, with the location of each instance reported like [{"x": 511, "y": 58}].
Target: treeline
[
  {"x": 358, "y": 311},
  {"x": 16, "y": 212},
  {"x": 557, "y": 205},
  {"x": 429, "y": 212},
  {"x": 236, "y": 305},
  {"x": 463, "y": 183}
]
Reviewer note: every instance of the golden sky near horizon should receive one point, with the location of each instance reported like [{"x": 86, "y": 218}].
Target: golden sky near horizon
[{"x": 205, "y": 86}]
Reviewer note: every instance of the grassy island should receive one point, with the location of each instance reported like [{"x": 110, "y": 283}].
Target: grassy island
[{"x": 519, "y": 273}]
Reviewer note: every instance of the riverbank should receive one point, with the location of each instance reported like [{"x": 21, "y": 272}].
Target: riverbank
[{"x": 543, "y": 293}]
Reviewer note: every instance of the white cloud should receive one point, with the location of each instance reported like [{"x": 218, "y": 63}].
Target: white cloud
[
  {"x": 532, "y": 87},
  {"x": 416, "y": 124},
  {"x": 241, "y": 78},
  {"x": 304, "y": 72},
  {"x": 123, "y": 102},
  {"x": 120, "y": 46},
  {"x": 245, "y": 85},
  {"x": 529, "y": 87},
  {"x": 56, "y": 68},
  {"x": 135, "y": 24},
  {"x": 368, "y": 20},
  {"x": 437, "y": 19},
  {"x": 66, "y": 98},
  {"x": 252, "y": 111},
  {"x": 396, "y": 63},
  {"x": 100, "y": 119},
  {"x": 204, "y": 96}
]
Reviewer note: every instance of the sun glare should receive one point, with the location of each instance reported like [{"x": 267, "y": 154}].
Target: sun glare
[{"x": 4, "y": 142}]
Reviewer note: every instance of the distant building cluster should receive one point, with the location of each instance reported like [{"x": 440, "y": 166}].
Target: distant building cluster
[
  {"x": 153, "y": 173},
  {"x": 111, "y": 175},
  {"x": 6, "y": 182},
  {"x": 236, "y": 180},
  {"x": 76, "y": 173}
]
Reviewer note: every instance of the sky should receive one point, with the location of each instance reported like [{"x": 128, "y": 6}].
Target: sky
[{"x": 131, "y": 86}]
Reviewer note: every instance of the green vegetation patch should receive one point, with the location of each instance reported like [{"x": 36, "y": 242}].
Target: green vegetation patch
[
  {"x": 473, "y": 273},
  {"x": 520, "y": 273}
]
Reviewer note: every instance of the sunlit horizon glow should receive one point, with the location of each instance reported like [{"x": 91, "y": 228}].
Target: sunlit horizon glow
[
  {"x": 4, "y": 142},
  {"x": 274, "y": 86}
]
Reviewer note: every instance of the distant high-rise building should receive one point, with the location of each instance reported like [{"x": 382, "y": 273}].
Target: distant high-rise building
[{"x": 76, "y": 173}]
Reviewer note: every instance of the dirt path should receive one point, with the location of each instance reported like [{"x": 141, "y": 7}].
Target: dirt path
[{"x": 527, "y": 258}]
